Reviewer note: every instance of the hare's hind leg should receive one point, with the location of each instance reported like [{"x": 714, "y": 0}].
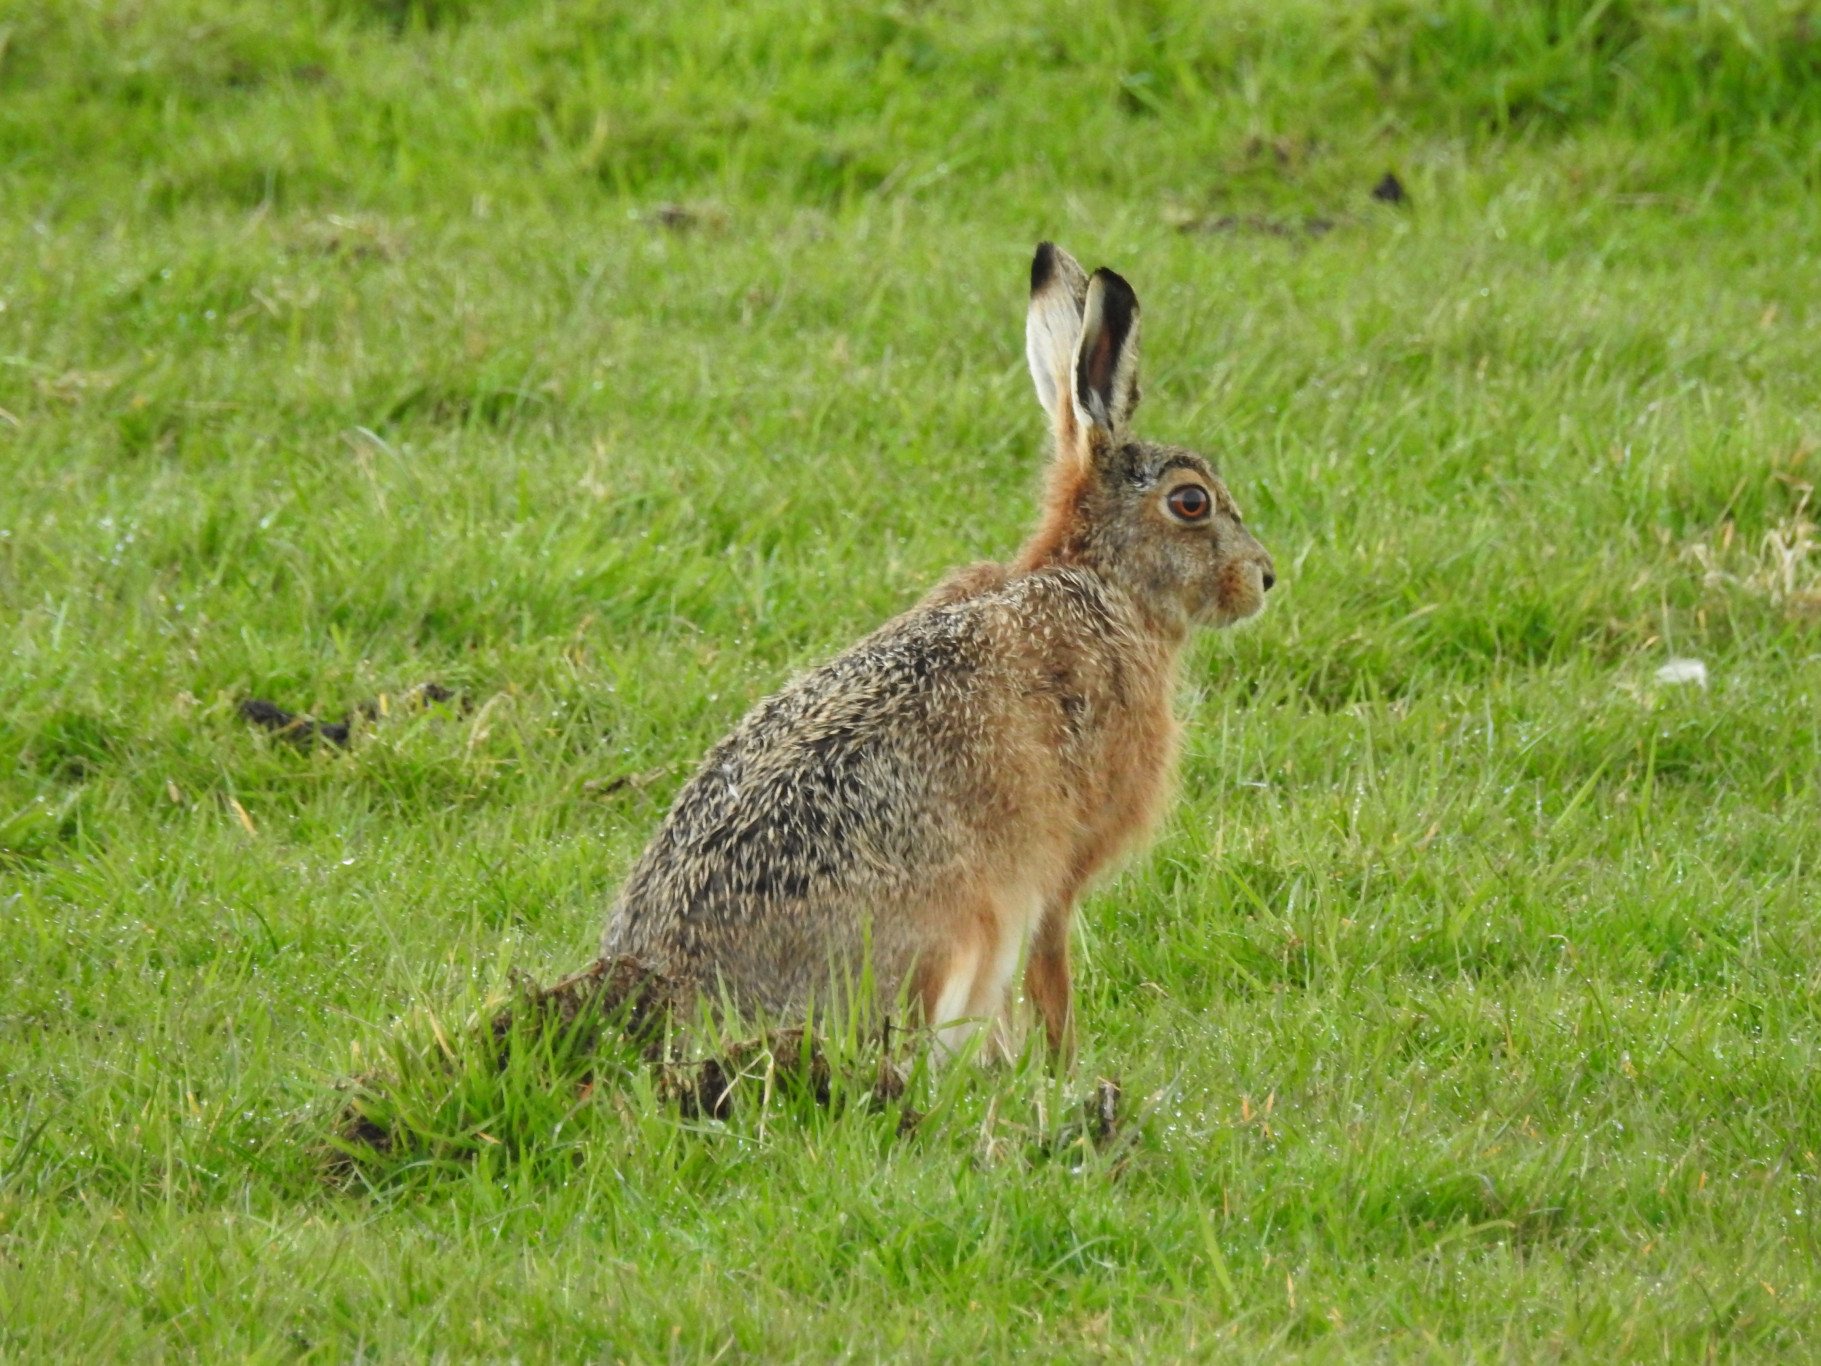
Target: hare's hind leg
[
  {"x": 961, "y": 985},
  {"x": 942, "y": 989},
  {"x": 990, "y": 1001},
  {"x": 1046, "y": 979}
]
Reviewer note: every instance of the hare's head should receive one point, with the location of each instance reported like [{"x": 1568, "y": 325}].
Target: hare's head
[{"x": 1155, "y": 520}]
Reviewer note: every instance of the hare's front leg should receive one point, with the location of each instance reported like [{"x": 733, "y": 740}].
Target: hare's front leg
[{"x": 1046, "y": 978}]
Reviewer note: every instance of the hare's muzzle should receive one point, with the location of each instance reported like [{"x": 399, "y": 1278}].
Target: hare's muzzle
[{"x": 1243, "y": 582}]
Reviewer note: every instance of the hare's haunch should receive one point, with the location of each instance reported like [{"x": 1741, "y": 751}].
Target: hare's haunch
[{"x": 927, "y": 806}]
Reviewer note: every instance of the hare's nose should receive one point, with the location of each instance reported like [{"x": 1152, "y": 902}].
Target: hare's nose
[{"x": 1270, "y": 579}]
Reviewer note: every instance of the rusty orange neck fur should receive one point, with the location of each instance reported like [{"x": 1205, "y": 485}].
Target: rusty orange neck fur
[{"x": 1064, "y": 537}]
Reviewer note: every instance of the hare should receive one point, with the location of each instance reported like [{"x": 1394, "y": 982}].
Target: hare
[{"x": 922, "y": 810}]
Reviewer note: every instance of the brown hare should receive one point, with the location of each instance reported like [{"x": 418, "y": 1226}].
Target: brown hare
[{"x": 926, "y": 807}]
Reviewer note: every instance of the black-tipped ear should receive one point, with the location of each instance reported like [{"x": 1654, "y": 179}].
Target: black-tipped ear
[
  {"x": 1106, "y": 361},
  {"x": 1047, "y": 264},
  {"x": 1059, "y": 289}
]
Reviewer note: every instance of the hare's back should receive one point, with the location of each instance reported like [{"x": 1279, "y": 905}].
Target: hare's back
[{"x": 825, "y": 808}]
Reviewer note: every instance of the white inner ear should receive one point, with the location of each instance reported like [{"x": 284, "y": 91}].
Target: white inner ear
[{"x": 1051, "y": 331}]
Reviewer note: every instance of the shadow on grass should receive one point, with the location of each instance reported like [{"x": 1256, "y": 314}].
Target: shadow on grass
[{"x": 619, "y": 1035}]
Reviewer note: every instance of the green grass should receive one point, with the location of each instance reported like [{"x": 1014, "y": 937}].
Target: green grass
[{"x": 1466, "y": 1006}]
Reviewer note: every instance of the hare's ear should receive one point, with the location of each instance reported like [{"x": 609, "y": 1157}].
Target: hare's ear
[
  {"x": 1106, "y": 360},
  {"x": 1052, "y": 332}
]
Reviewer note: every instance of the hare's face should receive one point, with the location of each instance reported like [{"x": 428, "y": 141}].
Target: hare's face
[
  {"x": 1154, "y": 519},
  {"x": 1176, "y": 538}
]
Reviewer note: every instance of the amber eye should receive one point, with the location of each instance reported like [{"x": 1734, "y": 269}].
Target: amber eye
[{"x": 1190, "y": 502}]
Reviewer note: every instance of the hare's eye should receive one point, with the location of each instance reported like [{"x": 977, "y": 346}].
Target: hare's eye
[{"x": 1190, "y": 502}]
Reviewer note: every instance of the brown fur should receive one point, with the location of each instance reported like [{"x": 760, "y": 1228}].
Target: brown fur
[{"x": 931, "y": 803}]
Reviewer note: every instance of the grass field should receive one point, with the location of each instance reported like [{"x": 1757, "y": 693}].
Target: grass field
[{"x": 606, "y": 363}]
